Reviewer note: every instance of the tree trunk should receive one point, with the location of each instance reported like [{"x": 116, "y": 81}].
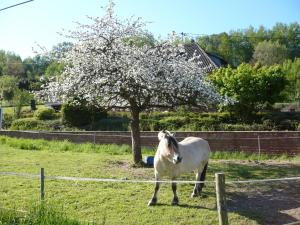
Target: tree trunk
[{"x": 136, "y": 136}]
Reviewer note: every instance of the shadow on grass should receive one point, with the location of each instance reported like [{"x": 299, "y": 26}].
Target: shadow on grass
[
  {"x": 268, "y": 203},
  {"x": 187, "y": 206}
]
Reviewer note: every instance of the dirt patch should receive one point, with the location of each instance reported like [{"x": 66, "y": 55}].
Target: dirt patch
[{"x": 268, "y": 203}]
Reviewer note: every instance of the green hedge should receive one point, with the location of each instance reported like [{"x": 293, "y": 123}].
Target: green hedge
[
  {"x": 112, "y": 123},
  {"x": 35, "y": 124},
  {"x": 171, "y": 121}
]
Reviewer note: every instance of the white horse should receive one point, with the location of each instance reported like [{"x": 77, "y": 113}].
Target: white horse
[{"x": 173, "y": 158}]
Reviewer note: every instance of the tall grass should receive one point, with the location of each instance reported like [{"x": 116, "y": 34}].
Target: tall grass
[{"x": 40, "y": 214}]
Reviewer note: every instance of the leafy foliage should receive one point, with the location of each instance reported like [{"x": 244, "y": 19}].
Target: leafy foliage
[
  {"x": 45, "y": 114},
  {"x": 251, "y": 87},
  {"x": 238, "y": 46},
  {"x": 291, "y": 69},
  {"x": 268, "y": 53}
]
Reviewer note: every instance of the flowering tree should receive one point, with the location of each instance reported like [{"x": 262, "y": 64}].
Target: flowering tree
[{"x": 106, "y": 67}]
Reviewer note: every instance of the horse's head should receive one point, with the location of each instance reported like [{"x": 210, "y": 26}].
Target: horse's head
[{"x": 169, "y": 147}]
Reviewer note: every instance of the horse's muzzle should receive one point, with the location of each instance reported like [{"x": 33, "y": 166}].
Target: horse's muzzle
[{"x": 177, "y": 159}]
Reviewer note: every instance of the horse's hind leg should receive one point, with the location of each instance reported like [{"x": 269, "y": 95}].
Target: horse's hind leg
[
  {"x": 196, "y": 188},
  {"x": 202, "y": 178}
]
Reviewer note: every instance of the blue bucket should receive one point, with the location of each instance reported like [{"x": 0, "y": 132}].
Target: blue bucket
[{"x": 149, "y": 160}]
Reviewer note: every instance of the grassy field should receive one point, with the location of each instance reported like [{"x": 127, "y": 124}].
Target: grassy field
[{"x": 124, "y": 203}]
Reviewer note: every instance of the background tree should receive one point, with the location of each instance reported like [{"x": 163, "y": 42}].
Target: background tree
[
  {"x": 13, "y": 95},
  {"x": 14, "y": 65},
  {"x": 268, "y": 53},
  {"x": 54, "y": 69},
  {"x": 7, "y": 88},
  {"x": 251, "y": 87},
  {"x": 291, "y": 69},
  {"x": 3, "y": 62},
  {"x": 103, "y": 68},
  {"x": 237, "y": 46}
]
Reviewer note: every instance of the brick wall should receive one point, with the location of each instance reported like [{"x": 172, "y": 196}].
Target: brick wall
[{"x": 270, "y": 142}]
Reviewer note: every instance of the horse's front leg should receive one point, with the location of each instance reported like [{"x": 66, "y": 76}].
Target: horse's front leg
[
  {"x": 175, "y": 200},
  {"x": 153, "y": 200}
]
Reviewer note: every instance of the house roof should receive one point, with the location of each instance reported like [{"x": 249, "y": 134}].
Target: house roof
[{"x": 204, "y": 61}]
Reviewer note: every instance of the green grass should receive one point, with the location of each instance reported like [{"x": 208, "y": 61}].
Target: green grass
[
  {"x": 118, "y": 203},
  {"x": 39, "y": 214}
]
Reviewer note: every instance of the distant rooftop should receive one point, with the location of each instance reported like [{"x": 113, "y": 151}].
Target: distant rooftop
[{"x": 208, "y": 62}]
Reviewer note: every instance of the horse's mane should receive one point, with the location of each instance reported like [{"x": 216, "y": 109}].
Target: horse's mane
[{"x": 172, "y": 141}]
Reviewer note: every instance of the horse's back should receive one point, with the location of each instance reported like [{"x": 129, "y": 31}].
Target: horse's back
[
  {"x": 196, "y": 142},
  {"x": 195, "y": 152}
]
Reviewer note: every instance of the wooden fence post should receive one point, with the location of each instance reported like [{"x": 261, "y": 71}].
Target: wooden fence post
[
  {"x": 42, "y": 184},
  {"x": 258, "y": 144},
  {"x": 221, "y": 198}
]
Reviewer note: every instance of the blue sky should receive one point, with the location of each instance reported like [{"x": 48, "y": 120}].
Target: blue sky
[{"x": 39, "y": 21}]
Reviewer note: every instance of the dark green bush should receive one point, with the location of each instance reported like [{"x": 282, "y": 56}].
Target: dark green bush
[
  {"x": 81, "y": 115},
  {"x": 45, "y": 114}
]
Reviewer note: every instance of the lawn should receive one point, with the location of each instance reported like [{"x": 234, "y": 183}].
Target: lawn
[{"x": 126, "y": 203}]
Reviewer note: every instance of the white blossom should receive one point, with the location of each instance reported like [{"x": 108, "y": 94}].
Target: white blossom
[{"x": 104, "y": 68}]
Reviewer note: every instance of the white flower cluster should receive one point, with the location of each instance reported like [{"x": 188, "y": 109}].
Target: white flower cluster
[{"x": 105, "y": 67}]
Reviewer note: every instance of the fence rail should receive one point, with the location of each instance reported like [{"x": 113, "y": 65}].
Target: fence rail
[{"x": 66, "y": 178}]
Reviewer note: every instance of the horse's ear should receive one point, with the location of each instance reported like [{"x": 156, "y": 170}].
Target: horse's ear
[
  {"x": 169, "y": 133},
  {"x": 161, "y": 135}
]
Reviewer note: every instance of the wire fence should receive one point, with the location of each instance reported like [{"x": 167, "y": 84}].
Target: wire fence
[
  {"x": 265, "y": 196},
  {"x": 125, "y": 180}
]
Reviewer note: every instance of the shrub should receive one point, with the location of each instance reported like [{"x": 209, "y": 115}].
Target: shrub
[
  {"x": 45, "y": 114},
  {"x": 35, "y": 124},
  {"x": 7, "y": 120},
  {"x": 27, "y": 113},
  {"x": 26, "y": 124},
  {"x": 243, "y": 85},
  {"x": 81, "y": 115}
]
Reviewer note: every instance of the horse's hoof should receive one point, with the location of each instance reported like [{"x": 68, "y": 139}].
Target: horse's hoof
[
  {"x": 194, "y": 195},
  {"x": 175, "y": 201},
  {"x": 152, "y": 202}
]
